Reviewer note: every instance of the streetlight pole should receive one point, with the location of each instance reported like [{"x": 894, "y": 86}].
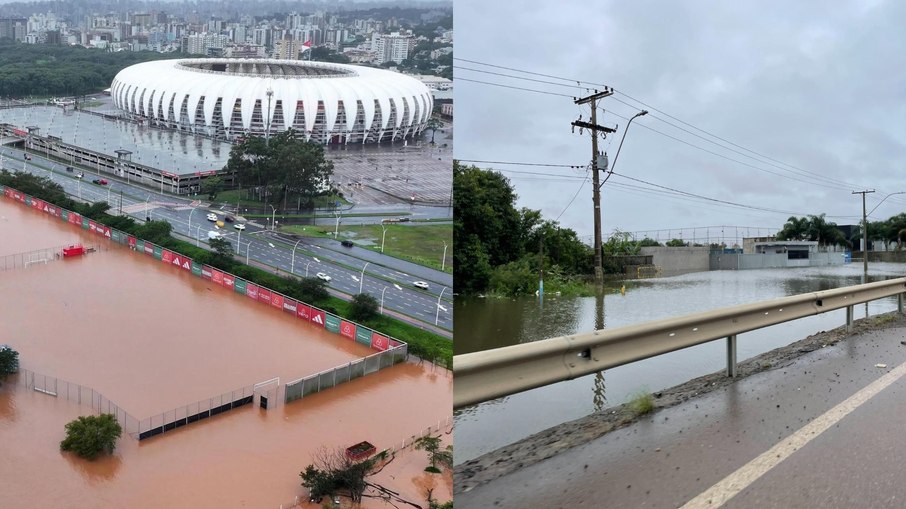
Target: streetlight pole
[
  {"x": 382, "y": 300},
  {"x": 273, "y": 216},
  {"x": 383, "y": 235},
  {"x": 267, "y": 131},
  {"x": 336, "y": 231},
  {"x": 247, "y": 248},
  {"x": 882, "y": 201},
  {"x": 190, "y": 223},
  {"x": 306, "y": 267},
  {"x": 292, "y": 264},
  {"x": 443, "y": 259},
  {"x": 197, "y": 234},
  {"x": 610, "y": 172},
  {"x": 239, "y": 242},
  {"x": 148, "y": 207},
  {"x": 864, "y": 235},
  {"x": 362, "y": 278},
  {"x": 437, "y": 317}
]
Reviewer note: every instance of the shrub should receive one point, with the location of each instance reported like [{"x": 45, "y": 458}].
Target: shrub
[
  {"x": 90, "y": 436},
  {"x": 642, "y": 403}
]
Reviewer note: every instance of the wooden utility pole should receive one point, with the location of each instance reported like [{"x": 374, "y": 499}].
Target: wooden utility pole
[{"x": 596, "y": 188}]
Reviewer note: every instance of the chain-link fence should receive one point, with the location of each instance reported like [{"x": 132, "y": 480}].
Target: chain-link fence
[
  {"x": 193, "y": 412},
  {"x": 79, "y": 394},
  {"x": 38, "y": 256},
  {"x": 298, "y": 389}
]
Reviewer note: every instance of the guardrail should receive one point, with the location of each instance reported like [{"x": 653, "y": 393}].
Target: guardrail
[{"x": 482, "y": 376}]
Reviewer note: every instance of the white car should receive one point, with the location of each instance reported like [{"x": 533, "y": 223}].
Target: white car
[
  {"x": 239, "y": 226},
  {"x": 420, "y": 284},
  {"x": 212, "y": 217},
  {"x": 323, "y": 277}
]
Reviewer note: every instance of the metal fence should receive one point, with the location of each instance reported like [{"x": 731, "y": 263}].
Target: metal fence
[
  {"x": 76, "y": 393},
  {"x": 38, "y": 256},
  {"x": 193, "y": 412},
  {"x": 298, "y": 389}
]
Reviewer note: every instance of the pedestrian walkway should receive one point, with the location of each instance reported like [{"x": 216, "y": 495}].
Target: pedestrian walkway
[{"x": 820, "y": 429}]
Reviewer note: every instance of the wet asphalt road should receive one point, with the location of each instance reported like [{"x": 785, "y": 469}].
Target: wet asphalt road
[{"x": 678, "y": 453}]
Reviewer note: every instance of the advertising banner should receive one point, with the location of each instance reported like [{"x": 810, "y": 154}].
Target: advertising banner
[
  {"x": 363, "y": 335},
  {"x": 196, "y": 268},
  {"x": 332, "y": 323},
  {"x": 75, "y": 218},
  {"x": 64, "y": 215},
  {"x": 117, "y": 236},
  {"x": 289, "y": 305},
  {"x": 140, "y": 245},
  {"x": 347, "y": 329},
  {"x": 277, "y": 300},
  {"x": 303, "y": 311},
  {"x": 264, "y": 295},
  {"x": 207, "y": 272},
  {"x": 20, "y": 197},
  {"x": 251, "y": 291},
  {"x": 86, "y": 223},
  {"x": 379, "y": 342},
  {"x": 27, "y": 200},
  {"x": 240, "y": 285},
  {"x": 103, "y": 230},
  {"x": 92, "y": 226},
  {"x": 37, "y": 204},
  {"x": 158, "y": 251},
  {"x": 228, "y": 280},
  {"x": 3, "y": 189},
  {"x": 181, "y": 261},
  {"x": 394, "y": 343},
  {"x": 217, "y": 276},
  {"x": 166, "y": 256},
  {"x": 54, "y": 211},
  {"x": 133, "y": 242}
]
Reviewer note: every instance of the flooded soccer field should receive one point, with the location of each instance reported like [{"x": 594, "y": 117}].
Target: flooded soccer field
[{"x": 151, "y": 337}]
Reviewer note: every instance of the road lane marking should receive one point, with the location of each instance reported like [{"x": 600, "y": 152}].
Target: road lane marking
[{"x": 730, "y": 486}]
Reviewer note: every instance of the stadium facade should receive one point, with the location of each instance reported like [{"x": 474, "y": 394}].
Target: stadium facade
[{"x": 232, "y": 98}]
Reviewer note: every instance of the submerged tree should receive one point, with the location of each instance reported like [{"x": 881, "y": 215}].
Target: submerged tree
[
  {"x": 334, "y": 473},
  {"x": 89, "y": 436}
]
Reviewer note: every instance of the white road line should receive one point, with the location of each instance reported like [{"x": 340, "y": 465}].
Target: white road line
[{"x": 720, "y": 493}]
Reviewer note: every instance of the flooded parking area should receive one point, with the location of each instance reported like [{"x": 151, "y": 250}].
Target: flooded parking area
[{"x": 151, "y": 337}]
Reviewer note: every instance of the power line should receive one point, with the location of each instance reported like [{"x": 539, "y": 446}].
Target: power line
[
  {"x": 573, "y": 166},
  {"x": 514, "y": 88},
  {"x": 573, "y": 199}
]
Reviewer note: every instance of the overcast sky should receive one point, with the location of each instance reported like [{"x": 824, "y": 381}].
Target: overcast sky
[{"x": 818, "y": 86}]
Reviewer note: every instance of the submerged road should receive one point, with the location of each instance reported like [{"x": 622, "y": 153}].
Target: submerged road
[{"x": 822, "y": 430}]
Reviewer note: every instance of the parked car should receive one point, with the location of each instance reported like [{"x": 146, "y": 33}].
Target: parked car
[
  {"x": 420, "y": 284},
  {"x": 212, "y": 217},
  {"x": 229, "y": 219},
  {"x": 347, "y": 243},
  {"x": 323, "y": 277},
  {"x": 239, "y": 226},
  {"x": 100, "y": 182},
  {"x": 69, "y": 169},
  {"x": 27, "y": 157},
  {"x": 404, "y": 219}
]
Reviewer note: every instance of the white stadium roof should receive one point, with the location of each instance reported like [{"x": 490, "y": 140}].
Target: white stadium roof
[{"x": 232, "y": 97}]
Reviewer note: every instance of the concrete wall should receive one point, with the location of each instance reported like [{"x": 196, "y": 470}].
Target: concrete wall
[
  {"x": 771, "y": 261},
  {"x": 673, "y": 261},
  {"x": 884, "y": 256}
]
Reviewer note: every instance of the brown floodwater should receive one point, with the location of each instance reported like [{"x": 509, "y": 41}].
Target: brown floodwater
[{"x": 151, "y": 337}]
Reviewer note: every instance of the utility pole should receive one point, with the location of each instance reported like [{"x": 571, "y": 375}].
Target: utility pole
[
  {"x": 596, "y": 188},
  {"x": 864, "y": 235}
]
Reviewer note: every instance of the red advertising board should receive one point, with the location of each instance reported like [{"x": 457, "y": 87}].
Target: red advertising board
[
  {"x": 289, "y": 305},
  {"x": 228, "y": 280},
  {"x": 217, "y": 276},
  {"x": 264, "y": 295},
  {"x": 103, "y": 230},
  {"x": 347, "y": 329},
  {"x": 92, "y": 226},
  {"x": 394, "y": 343},
  {"x": 303, "y": 312},
  {"x": 166, "y": 256},
  {"x": 277, "y": 300},
  {"x": 149, "y": 249},
  {"x": 37, "y": 204},
  {"x": 317, "y": 317},
  {"x": 8, "y": 192},
  {"x": 181, "y": 261},
  {"x": 75, "y": 218},
  {"x": 251, "y": 291},
  {"x": 132, "y": 242},
  {"x": 207, "y": 272},
  {"x": 379, "y": 342}
]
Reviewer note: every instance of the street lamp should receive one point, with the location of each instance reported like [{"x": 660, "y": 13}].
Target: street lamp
[
  {"x": 437, "y": 317},
  {"x": 273, "y": 216},
  {"x": 382, "y": 300},
  {"x": 384, "y": 234},
  {"x": 247, "y": 248},
  {"x": 882, "y": 201},
  {"x": 148, "y": 208},
  {"x": 443, "y": 259},
  {"x": 336, "y": 230},
  {"x": 610, "y": 172},
  {"x": 362, "y": 278},
  {"x": 292, "y": 264},
  {"x": 267, "y": 132},
  {"x": 239, "y": 242},
  {"x": 190, "y": 223},
  {"x": 197, "y": 234},
  {"x": 306, "y": 267}
]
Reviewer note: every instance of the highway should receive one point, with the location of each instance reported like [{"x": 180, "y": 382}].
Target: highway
[{"x": 387, "y": 279}]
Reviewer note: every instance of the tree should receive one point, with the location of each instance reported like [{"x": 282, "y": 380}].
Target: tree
[
  {"x": 282, "y": 165},
  {"x": 433, "y": 124},
  {"x": 363, "y": 307},
  {"x": 89, "y": 436},
  {"x": 334, "y": 473},
  {"x": 675, "y": 243},
  {"x": 9, "y": 361},
  {"x": 222, "y": 248},
  {"x": 211, "y": 186},
  {"x": 312, "y": 289},
  {"x": 436, "y": 455},
  {"x": 155, "y": 231}
]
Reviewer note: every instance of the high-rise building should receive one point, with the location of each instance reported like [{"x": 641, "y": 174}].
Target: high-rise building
[{"x": 395, "y": 47}]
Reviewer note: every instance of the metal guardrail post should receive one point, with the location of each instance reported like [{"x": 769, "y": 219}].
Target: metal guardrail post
[
  {"x": 900, "y": 303},
  {"x": 731, "y": 356},
  {"x": 849, "y": 318}
]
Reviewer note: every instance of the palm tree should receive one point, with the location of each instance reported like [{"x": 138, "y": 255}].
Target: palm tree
[{"x": 433, "y": 124}]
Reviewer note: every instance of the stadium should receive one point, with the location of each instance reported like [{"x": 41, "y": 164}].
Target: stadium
[{"x": 232, "y": 98}]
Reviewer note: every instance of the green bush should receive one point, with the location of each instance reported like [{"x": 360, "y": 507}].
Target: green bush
[{"x": 90, "y": 436}]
